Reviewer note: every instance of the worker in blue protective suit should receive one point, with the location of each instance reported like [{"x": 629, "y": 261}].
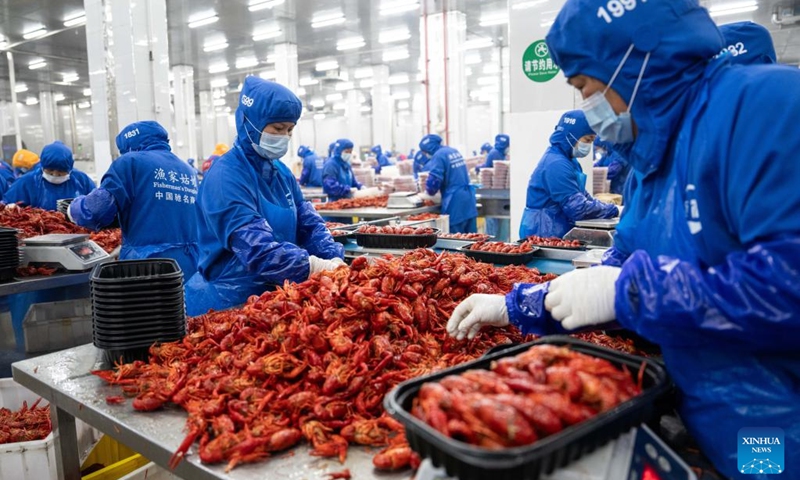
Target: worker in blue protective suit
[
  {"x": 557, "y": 196},
  {"x": 711, "y": 237},
  {"x": 255, "y": 228},
  {"x": 23, "y": 161},
  {"x": 448, "y": 174},
  {"x": 311, "y": 176},
  {"x": 338, "y": 180},
  {"x": 147, "y": 188},
  {"x": 52, "y": 179},
  {"x": 381, "y": 158},
  {"x": 501, "y": 144},
  {"x": 7, "y": 177},
  {"x": 486, "y": 148},
  {"x": 618, "y": 169},
  {"x": 330, "y": 149},
  {"x": 420, "y": 160},
  {"x": 748, "y": 43}
]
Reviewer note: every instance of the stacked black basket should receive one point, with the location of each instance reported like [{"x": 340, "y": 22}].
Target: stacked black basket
[
  {"x": 136, "y": 303},
  {"x": 9, "y": 253}
]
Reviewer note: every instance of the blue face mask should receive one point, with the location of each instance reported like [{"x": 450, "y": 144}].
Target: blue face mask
[
  {"x": 581, "y": 149},
  {"x": 617, "y": 129},
  {"x": 270, "y": 146}
]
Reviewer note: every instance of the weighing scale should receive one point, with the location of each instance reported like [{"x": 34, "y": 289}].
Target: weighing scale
[
  {"x": 73, "y": 252},
  {"x": 404, "y": 200},
  {"x": 597, "y": 233},
  {"x": 636, "y": 455}
]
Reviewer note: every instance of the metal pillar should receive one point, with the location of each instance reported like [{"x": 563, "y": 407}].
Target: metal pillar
[
  {"x": 47, "y": 110},
  {"x": 287, "y": 74},
  {"x": 185, "y": 138},
  {"x": 208, "y": 126},
  {"x": 12, "y": 80},
  {"x": 382, "y": 107},
  {"x": 101, "y": 81},
  {"x": 352, "y": 112}
]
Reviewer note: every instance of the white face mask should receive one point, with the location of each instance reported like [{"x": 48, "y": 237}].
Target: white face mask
[
  {"x": 347, "y": 157},
  {"x": 581, "y": 149},
  {"x": 55, "y": 180}
]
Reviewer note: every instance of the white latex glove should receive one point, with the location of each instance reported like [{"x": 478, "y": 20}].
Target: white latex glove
[
  {"x": 434, "y": 198},
  {"x": 367, "y": 192},
  {"x": 583, "y": 297},
  {"x": 476, "y": 312},
  {"x": 338, "y": 261},
  {"x": 317, "y": 264},
  {"x": 12, "y": 206}
]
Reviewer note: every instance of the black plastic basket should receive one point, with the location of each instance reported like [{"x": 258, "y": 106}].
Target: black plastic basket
[
  {"x": 469, "y": 462},
  {"x": 122, "y": 294},
  {"x": 137, "y": 271},
  {"x": 126, "y": 355},
  {"x": 108, "y": 339},
  {"x": 581, "y": 247},
  {"x": 155, "y": 287},
  {"x": 343, "y": 239},
  {"x": 160, "y": 309},
  {"x": 499, "y": 258},
  {"x": 112, "y": 331},
  {"x": 380, "y": 240}
]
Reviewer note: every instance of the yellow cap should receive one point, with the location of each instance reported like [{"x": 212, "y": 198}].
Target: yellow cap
[
  {"x": 24, "y": 159},
  {"x": 220, "y": 149}
]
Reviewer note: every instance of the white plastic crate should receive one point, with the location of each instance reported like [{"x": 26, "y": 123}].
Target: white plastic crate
[
  {"x": 34, "y": 460},
  {"x": 151, "y": 471}
]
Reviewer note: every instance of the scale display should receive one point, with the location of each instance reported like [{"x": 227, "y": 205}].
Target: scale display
[{"x": 72, "y": 252}]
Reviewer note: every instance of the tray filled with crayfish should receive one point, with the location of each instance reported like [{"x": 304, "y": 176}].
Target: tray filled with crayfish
[
  {"x": 527, "y": 410},
  {"x": 553, "y": 242},
  {"x": 500, "y": 253},
  {"x": 404, "y": 237},
  {"x": 454, "y": 241}
]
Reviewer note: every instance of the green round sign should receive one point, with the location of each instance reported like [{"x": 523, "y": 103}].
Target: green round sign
[{"x": 537, "y": 64}]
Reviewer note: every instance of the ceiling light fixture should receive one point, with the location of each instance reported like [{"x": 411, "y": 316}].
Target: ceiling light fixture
[
  {"x": 468, "y": 71},
  {"x": 405, "y": 95},
  {"x": 528, "y": 4},
  {"x": 317, "y": 102},
  {"x": 87, "y": 92},
  {"x": 202, "y": 19},
  {"x": 547, "y": 23},
  {"x": 37, "y": 64},
  {"x": 3, "y": 44},
  {"x": 84, "y": 104},
  {"x": 403, "y": 105},
  {"x": 307, "y": 81},
  {"x": 398, "y": 79},
  {"x": 395, "y": 35},
  {"x": 365, "y": 109},
  {"x": 300, "y": 91},
  {"x": 257, "y": 5},
  {"x": 215, "y": 46},
  {"x": 487, "y": 81},
  {"x": 219, "y": 83},
  {"x": 327, "y": 19},
  {"x": 366, "y": 83},
  {"x": 31, "y": 101},
  {"x": 75, "y": 19},
  {"x": 350, "y": 43},
  {"x": 220, "y": 102},
  {"x": 268, "y": 74},
  {"x": 395, "y": 7},
  {"x": 339, "y": 106},
  {"x": 266, "y": 34},
  {"x": 218, "y": 68},
  {"x": 319, "y": 116},
  {"x": 733, "y": 8},
  {"x": 21, "y": 87},
  {"x": 326, "y": 65},
  {"x": 491, "y": 69},
  {"x": 344, "y": 86},
  {"x": 334, "y": 97},
  {"x": 472, "y": 59},
  {"x": 395, "y": 54},
  {"x": 494, "y": 18},
  {"x": 70, "y": 77},
  {"x": 480, "y": 42},
  {"x": 365, "y": 72},
  {"x": 39, "y": 32},
  {"x": 246, "y": 62},
  {"x": 58, "y": 97}
]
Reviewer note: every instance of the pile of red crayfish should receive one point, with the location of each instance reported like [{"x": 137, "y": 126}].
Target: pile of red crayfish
[
  {"x": 552, "y": 242},
  {"x": 26, "y": 424},
  {"x": 500, "y": 247},
  {"x": 523, "y": 398},
  {"x": 624, "y": 345},
  {"x": 333, "y": 225},
  {"x": 398, "y": 230},
  {"x": 423, "y": 216},
  {"x": 314, "y": 360},
  {"x": 346, "y": 203},
  {"x": 478, "y": 237}
]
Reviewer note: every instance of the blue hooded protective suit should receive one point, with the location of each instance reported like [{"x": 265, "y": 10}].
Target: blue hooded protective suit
[
  {"x": 486, "y": 148},
  {"x": 748, "y": 43},
  {"x": 448, "y": 173},
  {"x": 33, "y": 190},
  {"x": 154, "y": 194},
  {"x": 383, "y": 159},
  {"x": 311, "y": 176},
  {"x": 337, "y": 175},
  {"x": 712, "y": 229},
  {"x": 420, "y": 160},
  {"x": 7, "y": 177},
  {"x": 557, "y": 195},
  {"x": 501, "y": 144},
  {"x": 255, "y": 228},
  {"x": 618, "y": 169}
]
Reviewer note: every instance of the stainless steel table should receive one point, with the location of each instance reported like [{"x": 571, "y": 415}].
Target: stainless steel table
[
  {"x": 30, "y": 284},
  {"x": 63, "y": 379},
  {"x": 377, "y": 212}
]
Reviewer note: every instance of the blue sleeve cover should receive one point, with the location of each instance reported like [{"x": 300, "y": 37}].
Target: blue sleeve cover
[
  {"x": 306, "y": 173},
  {"x": 19, "y": 191},
  {"x": 614, "y": 257},
  {"x": 751, "y": 300},
  {"x": 255, "y": 246},
  {"x": 314, "y": 236},
  {"x": 574, "y": 202},
  {"x": 94, "y": 211},
  {"x": 436, "y": 166},
  {"x": 525, "y": 305}
]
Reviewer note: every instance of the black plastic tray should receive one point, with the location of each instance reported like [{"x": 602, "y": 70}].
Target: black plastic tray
[
  {"x": 154, "y": 308},
  {"x": 499, "y": 258},
  {"x": 111, "y": 333},
  {"x": 108, "y": 339},
  {"x": 134, "y": 322},
  {"x": 343, "y": 239},
  {"x": 125, "y": 296},
  {"x": 126, "y": 271},
  {"x": 137, "y": 303},
  {"x": 382, "y": 240},
  {"x": 469, "y": 462},
  {"x": 157, "y": 287},
  {"x": 582, "y": 247},
  {"x": 134, "y": 344},
  {"x": 126, "y": 355}
]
